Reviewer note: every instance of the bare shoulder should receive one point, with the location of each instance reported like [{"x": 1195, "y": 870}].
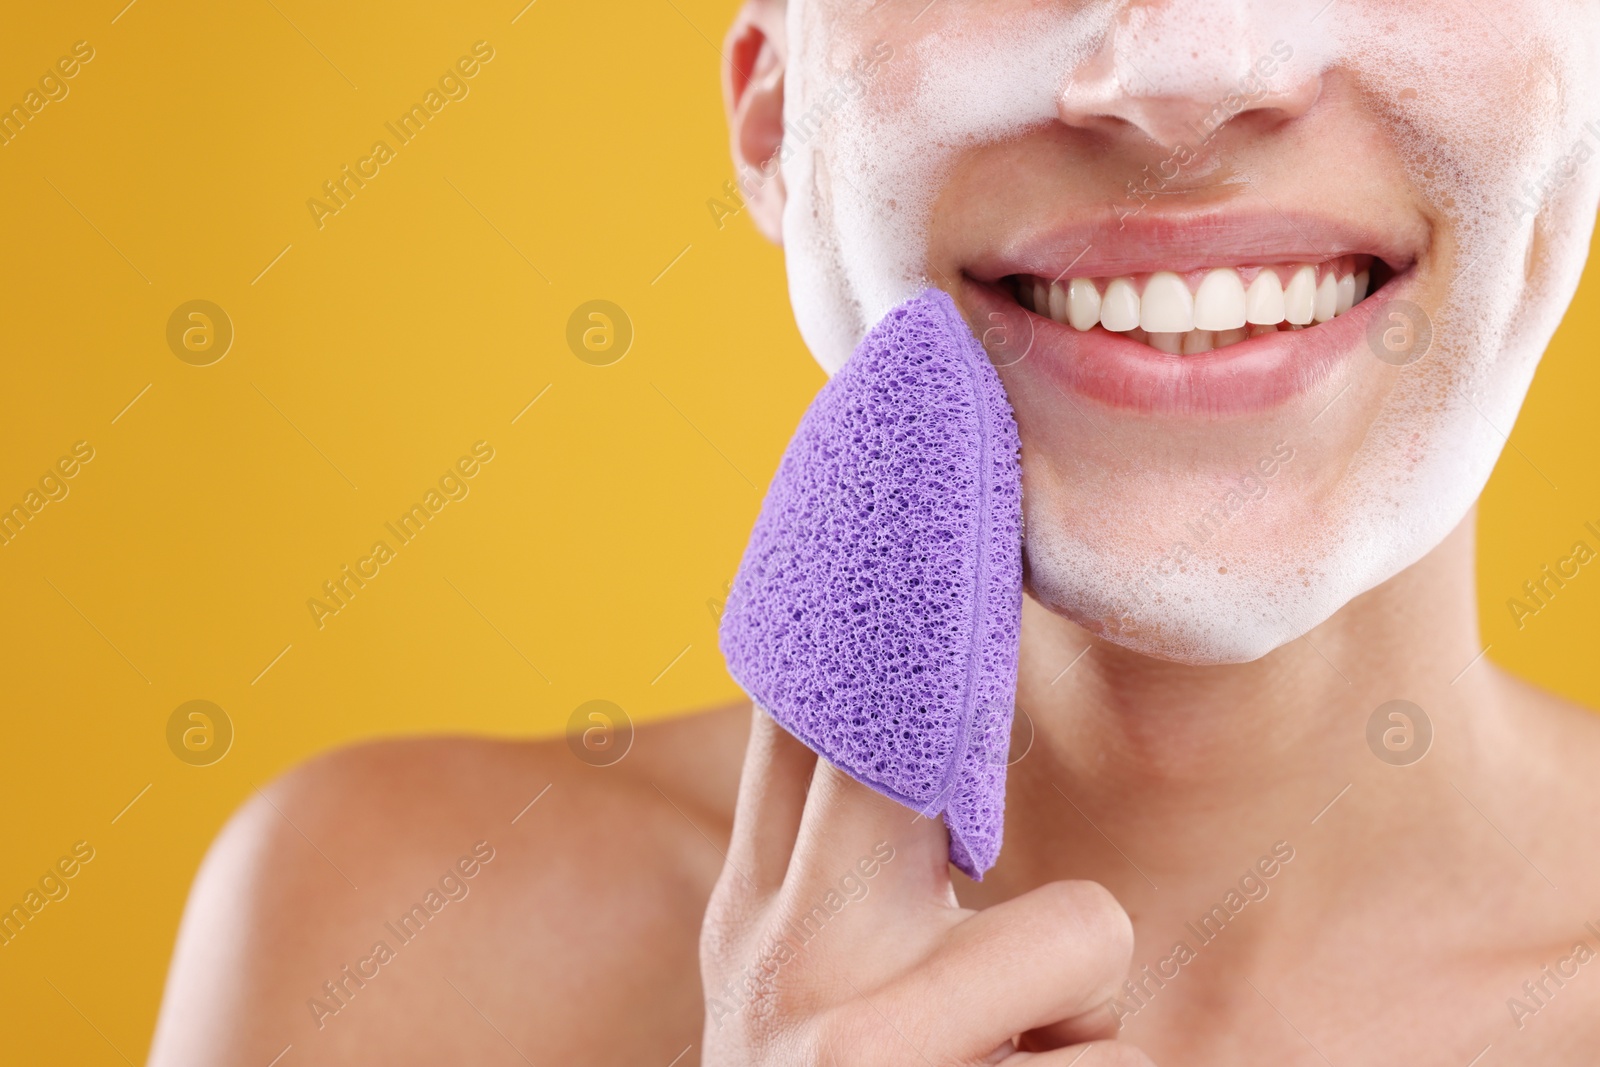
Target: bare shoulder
[{"x": 460, "y": 899}]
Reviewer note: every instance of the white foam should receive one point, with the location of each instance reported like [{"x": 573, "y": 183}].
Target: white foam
[{"x": 1479, "y": 112}]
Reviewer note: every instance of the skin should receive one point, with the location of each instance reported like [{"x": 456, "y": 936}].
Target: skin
[{"x": 1418, "y": 899}]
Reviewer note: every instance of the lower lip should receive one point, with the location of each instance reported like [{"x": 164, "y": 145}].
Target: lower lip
[{"x": 1250, "y": 376}]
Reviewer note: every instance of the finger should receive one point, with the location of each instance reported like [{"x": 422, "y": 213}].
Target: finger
[
  {"x": 1094, "y": 1054},
  {"x": 1058, "y": 952},
  {"x": 846, "y": 823},
  {"x": 772, "y": 797}
]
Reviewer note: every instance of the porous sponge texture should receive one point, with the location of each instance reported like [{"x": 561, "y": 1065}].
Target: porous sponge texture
[{"x": 877, "y": 609}]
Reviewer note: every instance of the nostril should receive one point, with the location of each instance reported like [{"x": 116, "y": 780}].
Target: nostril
[{"x": 1153, "y": 76}]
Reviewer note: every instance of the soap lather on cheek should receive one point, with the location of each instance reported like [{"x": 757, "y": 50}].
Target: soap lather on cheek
[
  {"x": 876, "y": 613},
  {"x": 1424, "y": 83}
]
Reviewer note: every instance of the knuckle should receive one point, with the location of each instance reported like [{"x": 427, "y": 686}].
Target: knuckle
[
  {"x": 718, "y": 943},
  {"x": 1091, "y": 916},
  {"x": 747, "y": 984}
]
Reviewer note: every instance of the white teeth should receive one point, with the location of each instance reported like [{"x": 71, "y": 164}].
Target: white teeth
[
  {"x": 1347, "y": 294},
  {"x": 1219, "y": 303},
  {"x": 1119, "y": 309},
  {"x": 1170, "y": 343},
  {"x": 1083, "y": 304},
  {"x": 1327, "y": 302},
  {"x": 1220, "y": 312},
  {"x": 1264, "y": 301},
  {"x": 1299, "y": 299},
  {"x": 1058, "y": 302},
  {"x": 1167, "y": 305}
]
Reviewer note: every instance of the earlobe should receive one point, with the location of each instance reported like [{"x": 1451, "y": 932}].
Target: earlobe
[{"x": 752, "y": 92}]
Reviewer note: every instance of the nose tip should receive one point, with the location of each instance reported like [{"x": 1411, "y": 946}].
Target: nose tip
[{"x": 1178, "y": 71}]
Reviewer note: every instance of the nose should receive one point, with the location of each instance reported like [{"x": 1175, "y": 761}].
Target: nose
[{"x": 1179, "y": 71}]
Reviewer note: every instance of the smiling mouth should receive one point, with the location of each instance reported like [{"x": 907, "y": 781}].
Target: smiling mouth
[
  {"x": 1197, "y": 311},
  {"x": 1202, "y": 313}
]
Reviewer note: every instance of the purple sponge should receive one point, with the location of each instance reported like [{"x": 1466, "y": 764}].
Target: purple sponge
[{"x": 876, "y": 613}]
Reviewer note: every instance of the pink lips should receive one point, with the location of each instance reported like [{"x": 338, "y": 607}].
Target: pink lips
[{"x": 1249, "y": 376}]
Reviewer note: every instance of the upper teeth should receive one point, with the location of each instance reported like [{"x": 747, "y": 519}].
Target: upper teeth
[{"x": 1202, "y": 310}]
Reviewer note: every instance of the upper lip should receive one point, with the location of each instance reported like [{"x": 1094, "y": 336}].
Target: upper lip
[{"x": 1185, "y": 241}]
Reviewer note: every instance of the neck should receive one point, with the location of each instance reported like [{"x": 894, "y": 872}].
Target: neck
[{"x": 1164, "y": 782}]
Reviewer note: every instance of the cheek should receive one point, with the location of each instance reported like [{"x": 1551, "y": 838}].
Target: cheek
[{"x": 863, "y": 176}]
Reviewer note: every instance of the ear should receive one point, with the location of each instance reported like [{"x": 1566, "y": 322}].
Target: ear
[{"x": 752, "y": 93}]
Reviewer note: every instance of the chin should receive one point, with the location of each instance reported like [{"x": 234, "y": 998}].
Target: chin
[
  {"x": 1202, "y": 622},
  {"x": 1190, "y": 633},
  {"x": 1200, "y": 596}
]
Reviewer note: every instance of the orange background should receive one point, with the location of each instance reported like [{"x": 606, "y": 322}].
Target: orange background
[{"x": 368, "y": 356}]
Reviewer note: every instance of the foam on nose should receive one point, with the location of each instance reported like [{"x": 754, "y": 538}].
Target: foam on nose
[{"x": 877, "y": 610}]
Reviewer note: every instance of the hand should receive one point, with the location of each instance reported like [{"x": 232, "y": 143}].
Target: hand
[{"x": 834, "y": 937}]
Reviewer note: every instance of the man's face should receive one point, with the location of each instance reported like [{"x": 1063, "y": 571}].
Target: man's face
[{"x": 1208, "y": 494}]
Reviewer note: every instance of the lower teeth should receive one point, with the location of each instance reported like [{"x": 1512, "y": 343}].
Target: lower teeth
[{"x": 1195, "y": 342}]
